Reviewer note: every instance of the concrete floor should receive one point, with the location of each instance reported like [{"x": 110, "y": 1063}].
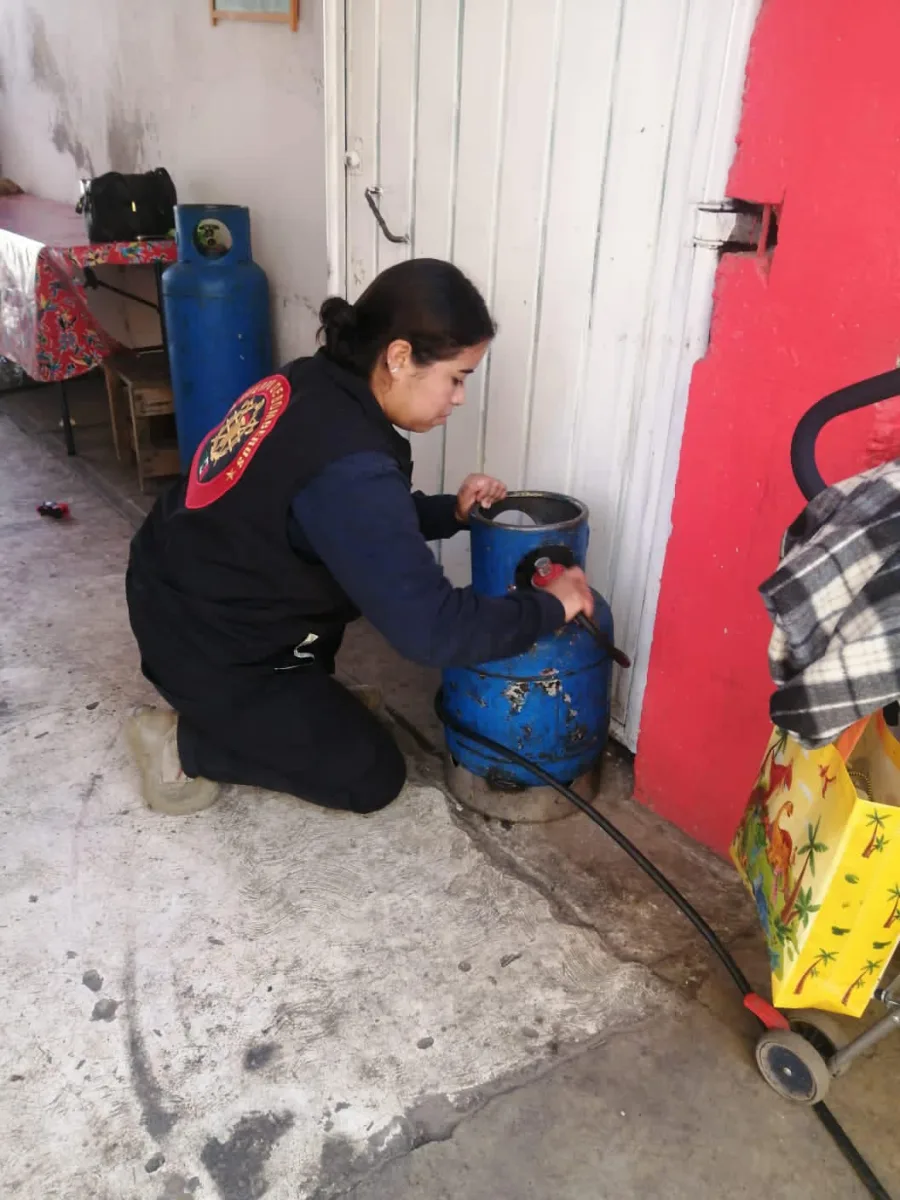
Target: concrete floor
[{"x": 270, "y": 1000}]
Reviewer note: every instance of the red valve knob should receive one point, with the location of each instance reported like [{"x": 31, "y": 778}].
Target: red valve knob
[{"x": 545, "y": 572}]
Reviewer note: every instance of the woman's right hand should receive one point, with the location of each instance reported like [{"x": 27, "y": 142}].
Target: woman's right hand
[{"x": 572, "y": 591}]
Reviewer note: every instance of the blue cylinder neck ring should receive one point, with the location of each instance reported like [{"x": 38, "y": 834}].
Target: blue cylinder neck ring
[{"x": 550, "y": 512}]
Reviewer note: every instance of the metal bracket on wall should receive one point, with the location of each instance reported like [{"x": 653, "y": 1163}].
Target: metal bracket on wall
[{"x": 735, "y": 227}]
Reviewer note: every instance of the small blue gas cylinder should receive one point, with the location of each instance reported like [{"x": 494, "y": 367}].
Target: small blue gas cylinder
[
  {"x": 216, "y": 309},
  {"x": 551, "y": 703}
]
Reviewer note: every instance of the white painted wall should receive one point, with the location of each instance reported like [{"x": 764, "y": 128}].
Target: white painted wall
[
  {"x": 234, "y": 112},
  {"x": 557, "y": 151}
]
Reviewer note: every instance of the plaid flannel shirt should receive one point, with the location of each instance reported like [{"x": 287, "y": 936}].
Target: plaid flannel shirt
[{"x": 835, "y": 602}]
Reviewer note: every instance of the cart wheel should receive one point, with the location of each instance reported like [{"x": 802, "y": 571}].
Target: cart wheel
[
  {"x": 792, "y": 1066},
  {"x": 821, "y": 1029}
]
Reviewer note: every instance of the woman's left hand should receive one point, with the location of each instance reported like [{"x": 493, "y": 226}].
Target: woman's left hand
[{"x": 477, "y": 489}]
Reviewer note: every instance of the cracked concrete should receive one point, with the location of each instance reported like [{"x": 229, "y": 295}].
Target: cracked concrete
[
  {"x": 344, "y": 1169},
  {"x": 303, "y": 1006},
  {"x": 335, "y": 941},
  {"x": 667, "y": 1110}
]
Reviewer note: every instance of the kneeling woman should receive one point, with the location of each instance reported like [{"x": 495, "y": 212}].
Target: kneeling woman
[{"x": 296, "y": 517}]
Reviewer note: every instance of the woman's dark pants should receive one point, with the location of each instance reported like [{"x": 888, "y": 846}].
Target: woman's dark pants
[{"x": 294, "y": 730}]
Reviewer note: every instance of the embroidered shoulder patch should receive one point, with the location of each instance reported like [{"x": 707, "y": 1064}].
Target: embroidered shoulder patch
[{"x": 224, "y": 454}]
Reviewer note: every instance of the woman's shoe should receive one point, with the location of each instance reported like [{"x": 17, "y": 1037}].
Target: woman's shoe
[{"x": 152, "y": 736}]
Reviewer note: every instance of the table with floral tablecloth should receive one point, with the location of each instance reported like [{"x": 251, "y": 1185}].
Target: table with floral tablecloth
[{"x": 46, "y": 324}]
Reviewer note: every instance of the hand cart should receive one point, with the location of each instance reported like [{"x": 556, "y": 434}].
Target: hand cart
[{"x": 800, "y": 1062}]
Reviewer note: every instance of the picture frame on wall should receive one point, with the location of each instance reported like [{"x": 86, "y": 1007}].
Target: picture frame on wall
[{"x": 278, "y": 12}]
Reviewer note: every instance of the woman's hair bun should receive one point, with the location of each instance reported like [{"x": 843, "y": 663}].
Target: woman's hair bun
[{"x": 337, "y": 318}]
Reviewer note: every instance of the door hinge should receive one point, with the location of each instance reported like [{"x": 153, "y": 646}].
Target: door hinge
[{"x": 729, "y": 225}]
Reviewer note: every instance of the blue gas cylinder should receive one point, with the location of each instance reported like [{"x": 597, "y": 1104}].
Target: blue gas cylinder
[
  {"x": 551, "y": 703},
  {"x": 216, "y": 309}
]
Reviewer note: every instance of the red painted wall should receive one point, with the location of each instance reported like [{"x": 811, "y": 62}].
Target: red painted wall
[{"x": 820, "y": 134}]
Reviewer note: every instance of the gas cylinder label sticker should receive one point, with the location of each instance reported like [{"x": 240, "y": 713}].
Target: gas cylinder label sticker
[
  {"x": 225, "y": 453},
  {"x": 212, "y": 238}
]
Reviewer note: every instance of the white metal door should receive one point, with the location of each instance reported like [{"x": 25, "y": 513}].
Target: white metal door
[{"x": 556, "y": 150}]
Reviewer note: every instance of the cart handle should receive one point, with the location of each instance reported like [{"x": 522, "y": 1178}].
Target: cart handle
[{"x": 848, "y": 399}]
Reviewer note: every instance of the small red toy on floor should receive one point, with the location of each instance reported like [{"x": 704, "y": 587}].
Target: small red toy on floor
[{"x": 53, "y": 508}]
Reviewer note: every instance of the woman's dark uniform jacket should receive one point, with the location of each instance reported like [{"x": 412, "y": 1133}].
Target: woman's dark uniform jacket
[{"x": 295, "y": 516}]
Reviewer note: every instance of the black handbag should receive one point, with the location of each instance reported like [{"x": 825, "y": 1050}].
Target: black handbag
[{"x": 123, "y": 208}]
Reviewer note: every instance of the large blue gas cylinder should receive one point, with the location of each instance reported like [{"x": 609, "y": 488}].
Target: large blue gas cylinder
[
  {"x": 551, "y": 703},
  {"x": 216, "y": 308}
]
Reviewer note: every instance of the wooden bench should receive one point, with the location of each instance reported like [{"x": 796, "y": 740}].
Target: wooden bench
[{"x": 142, "y": 413}]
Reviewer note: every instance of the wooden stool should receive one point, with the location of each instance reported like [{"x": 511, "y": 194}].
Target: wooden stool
[{"x": 142, "y": 412}]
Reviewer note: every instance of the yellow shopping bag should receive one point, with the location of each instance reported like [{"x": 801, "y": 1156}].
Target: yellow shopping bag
[{"x": 819, "y": 850}]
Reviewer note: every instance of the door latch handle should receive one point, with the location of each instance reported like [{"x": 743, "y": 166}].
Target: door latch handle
[{"x": 372, "y": 194}]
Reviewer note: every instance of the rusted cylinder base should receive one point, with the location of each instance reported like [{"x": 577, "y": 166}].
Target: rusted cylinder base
[{"x": 530, "y": 806}]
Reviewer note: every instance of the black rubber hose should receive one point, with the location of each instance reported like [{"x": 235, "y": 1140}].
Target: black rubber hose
[
  {"x": 705, "y": 931},
  {"x": 864, "y": 1172},
  {"x": 848, "y": 399},
  {"x": 709, "y": 935}
]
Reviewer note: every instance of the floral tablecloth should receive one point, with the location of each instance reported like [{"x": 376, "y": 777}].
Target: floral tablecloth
[{"x": 46, "y": 325}]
